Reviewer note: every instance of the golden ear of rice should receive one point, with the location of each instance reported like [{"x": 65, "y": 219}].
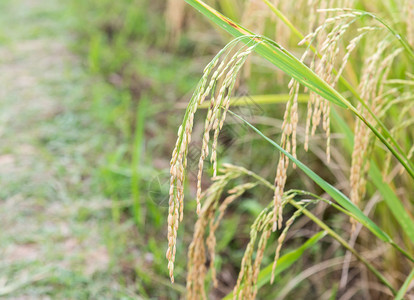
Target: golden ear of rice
[
  {"x": 219, "y": 84},
  {"x": 207, "y": 219},
  {"x": 246, "y": 286},
  {"x": 281, "y": 239},
  {"x": 288, "y": 142},
  {"x": 375, "y": 71}
]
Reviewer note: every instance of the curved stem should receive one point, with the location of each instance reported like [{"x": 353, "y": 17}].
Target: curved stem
[
  {"x": 339, "y": 197},
  {"x": 344, "y": 243}
]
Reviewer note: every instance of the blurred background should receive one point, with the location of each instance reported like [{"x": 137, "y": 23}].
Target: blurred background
[{"x": 92, "y": 95}]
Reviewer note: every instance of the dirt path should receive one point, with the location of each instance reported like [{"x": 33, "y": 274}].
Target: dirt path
[{"x": 52, "y": 244}]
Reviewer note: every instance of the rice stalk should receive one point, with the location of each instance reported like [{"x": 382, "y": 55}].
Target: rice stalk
[
  {"x": 371, "y": 86},
  {"x": 326, "y": 53},
  {"x": 197, "y": 250},
  {"x": 246, "y": 286},
  {"x": 347, "y": 207},
  {"x": 282, "y": 237},
  {"x": 370, "y": 80},
  {"x": 317, "y": 105},
  {"x": 226, "y": 67}
]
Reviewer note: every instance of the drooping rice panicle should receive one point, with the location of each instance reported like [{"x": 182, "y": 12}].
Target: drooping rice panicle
[
  {"x": 375, "y": 71},
  {"x": 281, "y": 239},
  {"x": 197, "y": 259},
  {"x": 226, "y": 74},
  {"x": 259, "y": 257},
  {"x": 246, "y": 286},
  {"x": 288, "y": 142},
  {"x": 327, "y": 49},
  {"x": 218, "y": 102},
  {"x": 197, "y": 250},
  {"x": 367, "y": 85},
  {"x": 351, "y": 46},
  {"x": 214, "y": 223}
]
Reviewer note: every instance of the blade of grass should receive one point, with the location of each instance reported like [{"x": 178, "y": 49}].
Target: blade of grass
[
  {"x": 288, "y": 63},
  {"x": 404, "y": 287},
  {"x": 338, "y": 196},
  {"x": 284, "y": 261},
  {"x": 136, "y": 160},
  {"x": 260, "y": 99}
]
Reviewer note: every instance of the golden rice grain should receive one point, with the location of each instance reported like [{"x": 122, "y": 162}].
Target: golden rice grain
[{"x": 220, "y": 85}]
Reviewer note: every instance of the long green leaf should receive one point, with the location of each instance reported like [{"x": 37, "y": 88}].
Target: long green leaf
[
  {"x": 284, "y": 261},
  {"x": 337, "y": 195},
  {"x": 260, "y": 99},
  {"x": 288, "y": 63},
  {"x": 405, "y": 286},
  {"x": 396, "y": 207},
  {"x": 403, "y": 217},
  {"x": 275, "y": 54}
]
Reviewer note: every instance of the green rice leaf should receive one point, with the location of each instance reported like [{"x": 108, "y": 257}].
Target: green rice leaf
[
  {"x": 337, "y": 195},
  {"x": 404, "y": 287}
]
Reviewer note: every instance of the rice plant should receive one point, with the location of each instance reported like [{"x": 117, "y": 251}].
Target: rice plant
[{"x": 356, "y": 72}]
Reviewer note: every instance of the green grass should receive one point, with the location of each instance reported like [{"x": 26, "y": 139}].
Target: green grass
[{"x": 56, "y": 224}]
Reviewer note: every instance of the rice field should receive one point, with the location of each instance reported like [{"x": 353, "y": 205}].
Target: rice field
[{"x": 235, "y": 149}]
